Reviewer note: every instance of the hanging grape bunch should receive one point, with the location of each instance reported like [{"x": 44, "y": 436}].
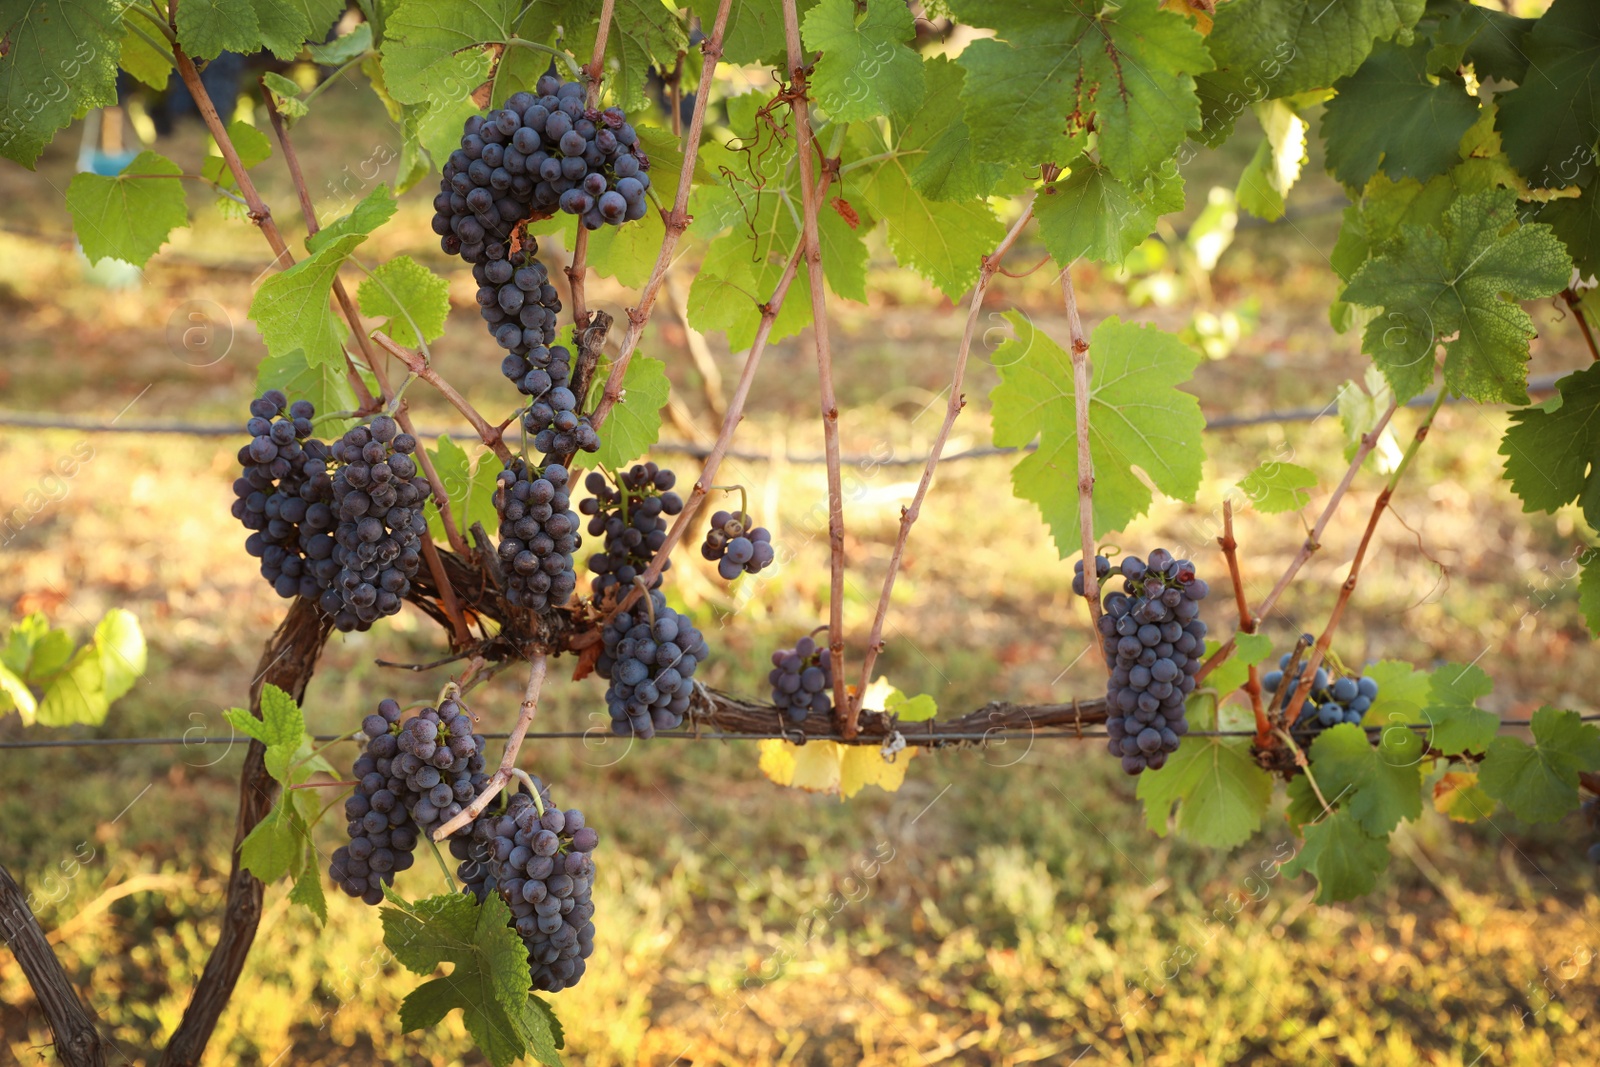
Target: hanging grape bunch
[
  {"x": 382, "y": 835},
  {"x": 538, "y": 535},
  {"x": 631, "y": 516},
  {"x": 551, "y": 418},
  {"x": 517, "y": 301},
  {"x": 539, "y": 859},
  {"x": 735, "y": 545},
  {"x": 1153, "y": 640},
  {"x": 378, "y": 497},
  {"x": 536, "y": 154},
  {"x": 802, "y": 680},
  {"x": 649, "y": 654},
  {"x": 1331, "y": 701},
  {"x": 282, "y": 497}
]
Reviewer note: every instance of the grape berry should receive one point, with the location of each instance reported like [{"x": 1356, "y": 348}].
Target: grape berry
[{"x": 1153, "y": 640}]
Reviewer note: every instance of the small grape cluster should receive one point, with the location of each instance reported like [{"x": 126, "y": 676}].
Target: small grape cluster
[
  {"x": 630, "y": 516},
  {"x": 378, "y": 497},
  {"x": 439, "y": 762},
  {"x": 735, "y": 546},
  {"x": 516, "y": 300},
  {"x": 282, "y": 497},
  {"x": 382, "y": 833},
  {"x": 552, "y": 418},
  {"x": 649, "y": 655},
  {"x": 539, "y": 859},
  {"x": 1153, "y": 640},
  {"x": 537, "y": 153},
  {"x": 1329, "y": 702},
  {"x": 538, "y": 535},
  {"x": 802, "y": 680}
]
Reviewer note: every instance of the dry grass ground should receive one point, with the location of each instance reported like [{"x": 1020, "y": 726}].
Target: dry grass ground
[{"x": 1005, "y": 907}]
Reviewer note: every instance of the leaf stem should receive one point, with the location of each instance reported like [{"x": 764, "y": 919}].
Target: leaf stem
[{"x": 508, "y": 760}]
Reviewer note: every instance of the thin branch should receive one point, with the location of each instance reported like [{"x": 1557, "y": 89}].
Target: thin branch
[
  {"x": 1248, "y": 623},
  {"x": 418, "y": 365},
  {"x": 1313, "y": 540},
  {"x": 77, "y": 1037},
  {"x": 811, "y": 200},
  {"x": 1379, "y": 506},
  {"x": 596, "y": 70},
  {"x": 1080, "y": 397},
  {"x": 508, "y": 760},
  {"x": 676, "y": 221},
  {"x": 577, "y": 272},
  {"x": 953, "y": 407},
  {"x": 1583, "y": 322}
]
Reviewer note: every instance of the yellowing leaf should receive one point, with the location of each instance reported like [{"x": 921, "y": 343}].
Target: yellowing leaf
[{"x": 864, "y": 765}]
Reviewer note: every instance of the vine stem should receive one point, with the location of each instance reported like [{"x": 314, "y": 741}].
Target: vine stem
[
  {"x": 1313, "y": 540},
  {"x": 1379, "y": 506},
  {"x": 418, "y": 364},
  {"x": 730, "y": 422},
  {"x": 1305, "y": 768},
  {"x": 1583, "y": 322},
  {"x": 72, "y": 1024},
  {"x": 810, "y": 200},
  {"x": 596, "y": 69},
  {"x": 953, "y": 408},
  {"x": 430, "y": 551},
  {"x": 676, "y": 222},
  {"x": 1248, "y": 623},
  {"x": 1080, "y": 401},
  {"x": 508, "y": 760}
]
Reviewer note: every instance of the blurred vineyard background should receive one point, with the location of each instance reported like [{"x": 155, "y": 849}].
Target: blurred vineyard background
[{"x": 1007, "y": 905}]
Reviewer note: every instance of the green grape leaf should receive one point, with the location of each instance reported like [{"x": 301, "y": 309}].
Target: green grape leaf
[
  {"x": 1263, "y": 188},
  {"x": 128, "y": 217},
  {"x": 34, "y": 650},
  {"x": 755, "y": 28},
  {"x": 277, "y": 845},
  {"x": 285, "y": 96},
  {"x": 16, "y": 696},
  {"x": 123, "y": 656},
  {"x": 1266, "y": 49},
  {"x": 207, "y": 28},
  {"x": 410, "y": 296},
  {"x": 1275, "y": 487},
  {"x": 433, "y": 49},
  {"x": 286, "y": 25},
  {"x": 489, "y": 979},
  {"x": 1379, "y": 786},
  {"x": 1550, "y": 447},
  {"x": 635, "y": 423},
  {"x": 281, "y": 728},
  {"x": 1138, "y": 419},
  {"x": 1458, "y": 724},
  {"x": 948, "y": 167},
  {"x": 1222, "y": 794},
  {"x": 1459, "y": 796},
  {"x": 1093, "y": 213},
  {"x": 1126, "y": 72},
  {"x": 139, "y": 58},
  {"x": 644, "y": 34},
  {"x": 76, "y": 695},
  {"x": 325, "y": 385},
  {"x": 58, "y": 60},
  {"x": 1344, "y": 858},
  {"x": 1403, "y": 691},
  {"x": 1361, "y": 408},
  {"x": 470, "y": 491},
  {"x": 919, "y": 708},
  {"x": 944, "y": 242},
  {"x": 1492, "y": 42},
  {"x": 307, "y": 888},
  {"x": 370, "y": 212},
  {"x": 1589, "y": 591},
  {"x": 1547, "y": 124},
  {"x": 866, "y": 68},
  {"x": 251, "y": 145},
  {"x": 1576, "y": 220},
  {"x": 1539, "y": 782},
  {"x": 1392, "y": 112},
  {"x": 1453, "y": 281},
  {"x": 343, "y": 49}
]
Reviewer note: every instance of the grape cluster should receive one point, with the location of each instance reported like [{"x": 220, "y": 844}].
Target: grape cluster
[
  {"x": 802, "y": 680},
  {"x": 516, "y": 299},
  {"x": 1102, "y": 570},
  {"x": 552, "y": 418},
  {"x": 735, "y": 546},
  {"x": 439, "y": 763},
  {"x": 538, "y": 535},
  {"x": 378, "y": 496},
  {"x": 535, "y": 154},
  {"x": 1153, "y": 640},
  {"x": 630, "y": 516},
  {"x": 649, "y": 655},
  {"x": 1329, "y": 702},
  {"x": 282, "y": 497},
  {"x": 539, "y": 859},
  {"x": 382, "y": 834}
]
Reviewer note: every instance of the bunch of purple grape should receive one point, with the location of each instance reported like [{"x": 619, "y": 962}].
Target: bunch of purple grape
[
  {"x": 802, "y": 680},
  {"x": 735, "y": 546},
  {"x": 1153, "y": 641},
  {"x": 649, "y": 655},
  {"x": 630, "y": 516},
  {"x": 282, "y": 496},
  {"x": 538, "y": 535},
  {"x": 516, "y": 299},
  {"x": 552, "y": 417}
]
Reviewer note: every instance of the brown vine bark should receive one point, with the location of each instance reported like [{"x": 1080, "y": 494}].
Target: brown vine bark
[
  {"x": 77, "y": 1039},
  {"x": 287, "y": 662}
]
